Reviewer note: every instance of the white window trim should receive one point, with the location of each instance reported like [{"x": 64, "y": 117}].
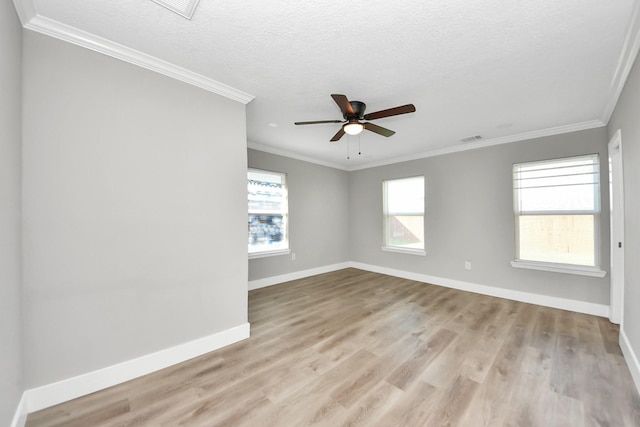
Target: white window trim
[
  {"x": 582, "y": 270},
  {"x": 279, "y": 251},
  {"x": 265, "y": 254},
  {"x": 400, "y": 249},
  {"x": 409, "y": 251}
]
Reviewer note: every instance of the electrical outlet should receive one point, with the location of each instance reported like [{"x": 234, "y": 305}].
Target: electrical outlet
[
  {"x": 467, "y": 265},
  {"x": 293, "y": 256}
]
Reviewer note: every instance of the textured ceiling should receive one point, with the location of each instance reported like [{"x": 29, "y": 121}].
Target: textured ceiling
[{"x": 501, "y": 69}]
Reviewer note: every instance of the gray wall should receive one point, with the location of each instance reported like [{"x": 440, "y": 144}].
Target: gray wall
[
  {"x": 134, "y": 211},
  {"x": 469, "y": 216},
  {"x": 11, "y": 369},
  {"x": 626, "y": 117},
  {"x": 318, "y": 216}
]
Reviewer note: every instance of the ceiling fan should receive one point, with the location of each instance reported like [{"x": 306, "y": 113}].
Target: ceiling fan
[{"x": 353, "y": 113}]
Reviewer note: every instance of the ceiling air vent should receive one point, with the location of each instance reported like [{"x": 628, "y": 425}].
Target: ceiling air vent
[
  {"x": 471, "y": 138},
  {"x": 181, "y": 7}
]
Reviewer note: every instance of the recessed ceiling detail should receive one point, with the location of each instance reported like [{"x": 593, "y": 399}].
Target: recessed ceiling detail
[{"x": 181, "y": 7}]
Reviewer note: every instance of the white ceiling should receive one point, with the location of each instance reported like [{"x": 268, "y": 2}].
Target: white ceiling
[{"x": 501, "y": 69}]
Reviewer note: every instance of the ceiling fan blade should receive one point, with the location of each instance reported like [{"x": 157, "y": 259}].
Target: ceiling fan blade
[
  {"x": 378, "y": 129},
  {"x": 318, "y": 122},
  {"x": 404, "y": 109},
  {"x": 338, "y": 135},
  {"x": 344, "y": 105}
]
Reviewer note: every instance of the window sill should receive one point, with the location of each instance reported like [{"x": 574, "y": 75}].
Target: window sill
[
  {"x": 420, "y": 252},
  {"x": 559, "y": 268},
  {"x": 266, "y": 254}
]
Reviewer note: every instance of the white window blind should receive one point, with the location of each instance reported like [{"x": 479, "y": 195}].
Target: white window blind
[
  {"x": 557, "y": 210},
  {"x": 403, "y": 210}
]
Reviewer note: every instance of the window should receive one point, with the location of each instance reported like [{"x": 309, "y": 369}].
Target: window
[
  {"x": 268, "y": 209},
  {"x": 404, "y": 215},
  {"x": 557, "y": 215}
]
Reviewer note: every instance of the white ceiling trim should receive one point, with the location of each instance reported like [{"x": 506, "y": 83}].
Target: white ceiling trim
[
  {"x": 32, "y": 21},
  {"x": 292, "y": 155},
  {"x": 558, "y": 130},
  {"x": 625, "y": 63},
  {"x": 186, "y": 11},
  {"x": 25, "y": 10}
]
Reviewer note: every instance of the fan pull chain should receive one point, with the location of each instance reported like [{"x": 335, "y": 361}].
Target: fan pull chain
[
  {"x": 348, "y": 139},
  {"x": 359, "y": 151}
]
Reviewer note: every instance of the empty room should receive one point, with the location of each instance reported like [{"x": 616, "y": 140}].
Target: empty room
[{"x": 284, "y": 214}]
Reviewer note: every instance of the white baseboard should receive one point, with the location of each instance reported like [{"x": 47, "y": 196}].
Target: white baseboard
[
  {"x": 631, "y": 358},
  {"x": 71, "y": 388},
  {"x": 600, "y": 310},
  {"x": 270, "y": 281},
  {"x": 20, "y": 417}
]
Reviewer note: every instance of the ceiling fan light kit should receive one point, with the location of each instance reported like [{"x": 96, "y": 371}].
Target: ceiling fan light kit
[
  {"x": 353, "y": 128},
  {"x": 354, "y": 117}
]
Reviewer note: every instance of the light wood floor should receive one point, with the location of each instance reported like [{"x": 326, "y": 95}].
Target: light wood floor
[{"x": 354, "y": 348}]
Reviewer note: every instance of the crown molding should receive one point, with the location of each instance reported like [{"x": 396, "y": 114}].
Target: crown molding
[
  {"x": 628, "y": 56},
  {"x": 292, "y": 155},
  {"x": 558, "y": 130},
  {"x": 186, "y": 11},
  {"x": 32, "y": 21},
  {"x": 25, "y": 9}
]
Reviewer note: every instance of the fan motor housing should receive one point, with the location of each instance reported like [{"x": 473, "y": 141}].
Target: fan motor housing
[{"x": 358, "y": 108}]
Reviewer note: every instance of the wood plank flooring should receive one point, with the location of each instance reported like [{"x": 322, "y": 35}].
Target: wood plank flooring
[{"x": 354, "y": 348}]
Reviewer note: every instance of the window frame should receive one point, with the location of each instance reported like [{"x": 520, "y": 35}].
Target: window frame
[
  {"x": 385, "y": 224},
  {"x": 569, "y": 268},
  {"x": 284, "y": 212}
]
